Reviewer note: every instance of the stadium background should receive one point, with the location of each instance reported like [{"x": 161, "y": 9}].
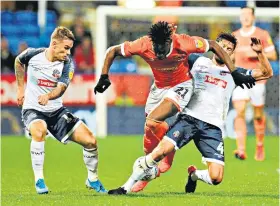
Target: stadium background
[
  {"x": 246, "y": 183},
  {"x": 131, "y": 77}
]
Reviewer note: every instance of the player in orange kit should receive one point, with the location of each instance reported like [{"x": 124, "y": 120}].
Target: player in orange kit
[
  {"x": 245, "y": 57},
  {"x": 166, "y": 53}
]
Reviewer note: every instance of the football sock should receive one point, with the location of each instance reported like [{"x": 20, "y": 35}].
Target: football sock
[
  {"x": 202, "y": 175},
  {"x": 260, "y": 125},
  {"x": 37, "y": 151},
  {"x": 91, "y": 162},
  {"x": 150, "y": 162},
  {"x": 139, "y": 172},
  {"x": 153, "y": 135},
  {"x": 241, "y": 132},
  {"x": 129, "y": 184},
  {"x": 166, "y": 162}
]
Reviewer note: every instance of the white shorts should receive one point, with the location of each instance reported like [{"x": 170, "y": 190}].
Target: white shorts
[
  {"x": 256, "y": 95},
  {"x": 180, "y": 95}
]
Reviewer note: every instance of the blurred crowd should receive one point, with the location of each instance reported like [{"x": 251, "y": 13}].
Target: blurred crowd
[{"x": 20, "y": 30}]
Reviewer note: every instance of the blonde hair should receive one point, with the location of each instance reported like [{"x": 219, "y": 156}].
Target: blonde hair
[{"x": 61, "y": 33}]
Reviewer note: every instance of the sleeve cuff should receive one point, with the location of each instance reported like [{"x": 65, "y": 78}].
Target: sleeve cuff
[
  {"x": 269, "y": 48},
  {"x": 122, "y": 49},
  {"x": 207, "y": 45}
]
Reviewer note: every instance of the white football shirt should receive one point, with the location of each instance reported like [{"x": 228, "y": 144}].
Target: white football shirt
[
  {"x": 212, "y": 91},
  {"x": 42, "y": 77}
]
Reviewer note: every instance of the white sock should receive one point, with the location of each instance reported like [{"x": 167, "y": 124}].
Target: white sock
[
  {"x": 37, "y": 151},
  {"x": 202, "y": 175},
  {"x": 139, "y": 173},
  {"x": 91, "y": 162},
  {"x": 150, "y": 161},
  {"x": 129, "y": 183}
]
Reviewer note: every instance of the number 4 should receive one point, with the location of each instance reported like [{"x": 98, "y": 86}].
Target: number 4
[{"x": 221, "y": 148}]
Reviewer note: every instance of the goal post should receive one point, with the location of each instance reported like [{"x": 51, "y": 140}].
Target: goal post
[{"x": 103, "y": 12}]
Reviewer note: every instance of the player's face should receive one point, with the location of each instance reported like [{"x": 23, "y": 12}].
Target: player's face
[
  {"x": 161, "y": 50},
  {"x": 227, "y": 46},
  {"x": 62, "y": 49},
  {"x": 247, "y": 17}
]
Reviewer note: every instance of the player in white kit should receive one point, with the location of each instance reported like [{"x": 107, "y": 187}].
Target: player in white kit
[
  {"x": 49, "y": 72},
  {"x": 203, "y": 117}
]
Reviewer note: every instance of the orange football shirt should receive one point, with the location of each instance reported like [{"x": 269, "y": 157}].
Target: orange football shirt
[
  {"x": 174, "y": 69},
  {"x": 244, "y": 45}
]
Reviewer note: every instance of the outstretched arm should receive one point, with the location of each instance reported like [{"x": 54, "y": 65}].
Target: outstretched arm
[
  {"x": 214, "y": 47},
  {"x": 110, "y": 55},
  {"x": 104, "y": 81},
  {"x": 264, "y": 70}
]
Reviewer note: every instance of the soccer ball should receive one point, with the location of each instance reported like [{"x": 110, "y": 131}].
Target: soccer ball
[{"x": 150, "y": 173}]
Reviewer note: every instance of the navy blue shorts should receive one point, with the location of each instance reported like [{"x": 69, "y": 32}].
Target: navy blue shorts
[
  {"x": 60, "y": 123},
  {"x": 207, "y": 138}
]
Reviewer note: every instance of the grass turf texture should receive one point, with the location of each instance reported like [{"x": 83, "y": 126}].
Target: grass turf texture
[{"x": 245, "y": 182}]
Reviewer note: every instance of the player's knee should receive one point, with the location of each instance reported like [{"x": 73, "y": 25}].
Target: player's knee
[
  {"x": 216, "y": 177},
  {"x": 216, "y": 181},
  {"x": 240, "y": 114},
  {"x": 38, "y": 131},
  {"x": 151, "y": 125},
  {"x": 91, "y": 142}
]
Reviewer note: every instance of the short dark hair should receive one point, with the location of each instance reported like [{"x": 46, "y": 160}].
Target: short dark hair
[
  {"x": 227, "y": 36},
  {"x": 160, "y": 32},
  {"x": 248, "y": 7}
]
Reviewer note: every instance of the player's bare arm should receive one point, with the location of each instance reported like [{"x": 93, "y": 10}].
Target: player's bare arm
[
  {"x": 20, "y": 72},
  {"x": 104, "y": 81},
  {"x": 264, "y": 70},
  {"x": 54, "y": 94},
  {"x": 110, "y": 55},
  {"x": 214, "y": 46}
]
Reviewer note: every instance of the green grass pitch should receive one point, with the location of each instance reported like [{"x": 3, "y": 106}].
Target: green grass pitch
[{"x": 245, "y": 182}]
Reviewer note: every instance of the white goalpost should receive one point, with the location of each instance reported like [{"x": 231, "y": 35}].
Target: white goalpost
[{"x": 103, "y": 12}]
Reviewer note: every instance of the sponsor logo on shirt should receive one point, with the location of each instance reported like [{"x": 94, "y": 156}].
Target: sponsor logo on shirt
[
  {"x": 46, "y": 83},
  {"x": 166, "y": 68},
  {"x": 179, "y": 57},
  {"x": 216, "y": 81}
]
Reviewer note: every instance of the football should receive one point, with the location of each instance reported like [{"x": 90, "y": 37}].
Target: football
[{"x": 150, "y": 174}]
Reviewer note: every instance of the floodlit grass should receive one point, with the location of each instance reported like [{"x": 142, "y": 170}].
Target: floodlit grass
[{"x": 245, "y": 182}]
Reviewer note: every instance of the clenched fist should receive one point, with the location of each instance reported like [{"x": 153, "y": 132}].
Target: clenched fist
[{"x": 43, "y": 99}]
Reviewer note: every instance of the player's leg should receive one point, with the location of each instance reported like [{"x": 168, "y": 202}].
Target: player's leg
[
  {"x": 145, "y": 164},
  {"x": 83, "y": 136},
  {"x": 37, "y": 128},
  {"x": 209, "y": 141},
  {"x": 240, "y": 129},
  {"x": 175, "y": 100},
  {"x": 240, "y": 97},
  {"x": 258, "y": 100},
  {"x": 178, "y": 135},
  {"x": 65, "y": 127}
]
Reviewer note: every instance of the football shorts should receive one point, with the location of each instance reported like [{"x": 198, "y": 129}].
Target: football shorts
[
  {"x": 207, "y": 138},
  {"x": 60, "y": 123},
  {"x": 256, "y": 95},
  {"x": 180, "y": 95}
]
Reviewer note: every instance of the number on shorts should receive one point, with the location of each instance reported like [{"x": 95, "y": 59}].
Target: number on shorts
[
  {"x": 220, "y": 148},
  {"x": 182, "y": 91}
]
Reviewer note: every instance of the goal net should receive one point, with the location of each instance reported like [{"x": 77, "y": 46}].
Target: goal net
[{"x": 114, "y": 25}]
